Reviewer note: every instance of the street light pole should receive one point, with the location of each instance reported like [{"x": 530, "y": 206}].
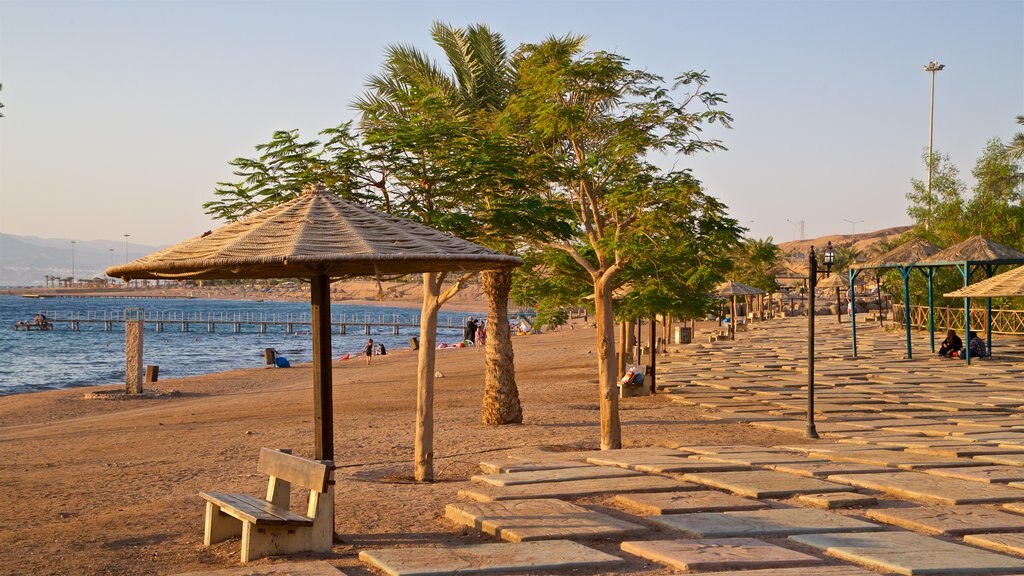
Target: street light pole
[
  {"x": 932, "y": 67},
  {"x": 126, "y": 255},
  {"x": 72, "y": 263},
  {"x": 812, "y": 283}
]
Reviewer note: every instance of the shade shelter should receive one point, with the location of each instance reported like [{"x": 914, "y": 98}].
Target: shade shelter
[
  {"x": 975, "y": 253},
  {"x": 320, "y": 237},
  {"x": 840, "y": 283},
  {"x": 731, "y": 288},
  {"x": 904, "y": 259}
]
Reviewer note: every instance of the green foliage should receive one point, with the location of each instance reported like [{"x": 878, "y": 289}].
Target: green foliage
[
  {"x": 939, "y": 215},
  {"x": 995, "y": 208},
  {"x": 845, "y": 257},
  {"x": 755, "y": 262}
]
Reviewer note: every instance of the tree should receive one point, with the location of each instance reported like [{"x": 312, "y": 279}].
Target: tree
[
  {"x": 995, "y": 208},
  {"x": 940, "y": 215},
  {"x": 592, "y": 123},
  {"x": 756, "y": 262},
  {"x": 1016, "y": 146}
]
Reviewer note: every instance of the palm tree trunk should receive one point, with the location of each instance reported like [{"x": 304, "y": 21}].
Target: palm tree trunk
[{"x": 501, "y": 395}]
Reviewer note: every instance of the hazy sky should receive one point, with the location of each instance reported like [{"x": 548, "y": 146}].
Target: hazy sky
[{"x": 120, "y": 117}]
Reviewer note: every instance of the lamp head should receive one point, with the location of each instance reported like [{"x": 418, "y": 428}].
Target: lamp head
[{"x": 830, "y": 257}]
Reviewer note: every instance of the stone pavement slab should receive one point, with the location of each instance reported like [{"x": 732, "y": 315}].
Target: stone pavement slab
[
  {"x": 513, "y": 465},
  {"x": 718, "y": 553},
  {"x": 819, "y": 469},
  {"x": 762, "y": 523},
  {"x": 1011, "y": 543},
  {"x": 894, "y": 459},
  {"x": 573, "y": 488},
  {"x": 950, "y": 520},
  {"x": 986, "y": 474},
  {"x": 931, "y": 489},
  {"x": 911, "y": 554},
  {"x": 558, "y": 475},
  {"x": 757, "y": 458},
  {"x": 542, "y": 519},
  {"x": 657, "y": 503},
  {"x": 1006, "y": 459},
  {"x": 661, "y": 464},
  {"x": 318, "y": 568},
  {"x": 813, "y": 571},
  {"x": 486, "y": 558},
  {"x": 833, "y": 500},
  {"x": 763, "y": 483}
]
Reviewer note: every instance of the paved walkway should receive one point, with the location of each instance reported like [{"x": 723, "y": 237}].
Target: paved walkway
[{"x": 920, "y": 470}]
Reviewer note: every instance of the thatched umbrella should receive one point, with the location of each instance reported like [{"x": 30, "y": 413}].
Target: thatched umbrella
[
  {"x": 320, "y": 237},
  {"x": 1006, "y": 284},
  {"x": 734, "y": 289},
  {"x": 839, "y": 282}
]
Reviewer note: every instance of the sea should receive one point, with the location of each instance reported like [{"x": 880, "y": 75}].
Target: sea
[{"x": 94, "y": 355}]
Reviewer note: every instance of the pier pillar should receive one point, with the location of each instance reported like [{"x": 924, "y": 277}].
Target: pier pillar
[
  {"x": 395, "y": 330},
  {"x": 159, "y": 326},
  {"x": 263, "y": 327},
  {"x": 108, "y": 325},
  {"x": 184, "y": 326},
  {"x": 342, "y": 329},
  {"x": 366, "y": 329},
  {"x": 238, "y": 327},
  {"x": 133, "y": 366},
  {"x": 290, "y": 328},
  {"x": 211, "y": 327}
]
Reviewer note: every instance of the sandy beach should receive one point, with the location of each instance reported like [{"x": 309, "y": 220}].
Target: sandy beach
[{"x": 111, "y": 487}]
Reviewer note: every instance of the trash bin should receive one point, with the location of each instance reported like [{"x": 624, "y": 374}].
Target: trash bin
[{"x": 682, "y": 335}]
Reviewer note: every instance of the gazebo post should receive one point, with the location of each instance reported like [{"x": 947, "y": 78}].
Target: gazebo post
[
  {"x": 423, "y": 461},
  {"x": 853, "y": 310},
  {"x": 905, "y": 272},
  {"x": 990, "y": 271},
  {"x": 839, "y": 307},
  {"x": 732, "y": 324},
  {"x": 323, "y": 416},
  {"x": 931, "y": 308},
  {"x": 966, "y": 273}
]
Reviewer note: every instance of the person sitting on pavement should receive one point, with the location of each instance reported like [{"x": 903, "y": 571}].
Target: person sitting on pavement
[
  {"x": 976, "y": 346},
  {"x": 951, "y": 346}
]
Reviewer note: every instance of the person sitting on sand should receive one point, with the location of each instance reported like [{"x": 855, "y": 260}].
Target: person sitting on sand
[
  {"x": 951, "y": 346},
  {"x": 381, "y": 350}
]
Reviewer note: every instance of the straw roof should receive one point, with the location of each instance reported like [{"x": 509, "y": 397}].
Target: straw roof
[
  {"x": 977, "y": 249},
  {"x": 733, "y": 288},
  {"x": 317, "y": 233},
  {"x": 1006, "y": 284},
  {"x": 910, "y": 253},
  {"x": 834, "y": 281}
]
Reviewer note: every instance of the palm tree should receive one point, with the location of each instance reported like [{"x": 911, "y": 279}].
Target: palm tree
[
  {"x": 1016, "y": 146},
  {"x": 476, "y": 83}
]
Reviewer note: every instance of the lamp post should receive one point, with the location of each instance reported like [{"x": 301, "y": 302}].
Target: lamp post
[
  {"x": 126, "y": 255},
  {"x": 812, "y": 274},
  {"x": 72, "y": 263},
  {"x": 932, "y": 67}
]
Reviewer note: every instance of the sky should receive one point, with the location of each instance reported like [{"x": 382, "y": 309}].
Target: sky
[{"x": 121, "y": 117}]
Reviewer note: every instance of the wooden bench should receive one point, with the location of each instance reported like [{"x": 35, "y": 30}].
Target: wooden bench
[{"x": 268, "y": 526}]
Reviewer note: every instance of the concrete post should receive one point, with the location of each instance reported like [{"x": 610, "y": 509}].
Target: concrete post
[{"x": 133, "y": 363}]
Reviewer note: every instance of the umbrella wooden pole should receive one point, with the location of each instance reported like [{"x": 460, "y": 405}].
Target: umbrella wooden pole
[
  {"x": 323, "y": 417},
  {"x": 839, "y": 307},
  {"x": 423, "y": 465}
]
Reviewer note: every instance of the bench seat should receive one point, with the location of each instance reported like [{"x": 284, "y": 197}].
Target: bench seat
[{"x": 255, "y": 510}]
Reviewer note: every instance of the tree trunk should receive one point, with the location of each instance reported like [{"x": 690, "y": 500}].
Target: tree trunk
[
  {"x": 423, "y": 459},
  {"x": 501, "y": 395},
  {"x": 611, "y": 431}
]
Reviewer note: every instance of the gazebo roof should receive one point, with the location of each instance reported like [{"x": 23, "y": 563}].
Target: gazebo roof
[
  {"x": 317, "y": 233},
  {"x": 912, "y": 252},
  {"x": 733, "y": 288},
  {"x": 1006, "y": 284},
  {"x": 976, "y": 249}
]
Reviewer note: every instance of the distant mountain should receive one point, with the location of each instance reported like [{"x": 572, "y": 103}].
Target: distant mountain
[
  {"x": 864, "y": 242},
  {"x": 28, "y": 260}
]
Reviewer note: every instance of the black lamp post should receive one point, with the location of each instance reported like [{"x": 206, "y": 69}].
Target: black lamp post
[{"x": 812, "y": 283}]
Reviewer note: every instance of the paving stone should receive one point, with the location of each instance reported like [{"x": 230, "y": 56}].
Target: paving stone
[
  {"x": 718, "y": 553},
  {"x": 837, "y": 500},
  {"x": 557, "y": 475},
  {"x": 1006, "y": 459},
  {"x": 1012, "y": 543},
  {"x": 987, "y": 474},
  {"x": 661, "y": 464},
  {"x": 763, "y": 483},
  {"x": 511, "y": 465},
  {"x": 318, "y": 568},
  {"x": 757, "y": 458},
  {"x": 818, "y": 469},
  {"x": 573, "y": 488},
  {"x": 911, "y": 554},
  {"x": 814, "y": 571},
  {"x": 963, "y": 451},
  {"x": 542, "y": 519},
  {"x": 681, "y": 502},
  {"x": 894, "y": 459},
  {"x": 931, "y": 489},
  {"x": 950, "y": 520},
  {"x": 486, "y": 558},
  {"x": 762, "y": 523}
]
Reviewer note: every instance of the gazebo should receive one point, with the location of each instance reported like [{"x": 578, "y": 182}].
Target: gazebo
[
  {"x": 904, "y": 259},
  {"x": 321, "y": 237},
  {"x": 731, "y": 288}
]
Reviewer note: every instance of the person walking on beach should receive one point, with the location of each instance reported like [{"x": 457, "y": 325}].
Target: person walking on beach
[
  {"x": 368, "y": 350},
  {"x": 470, "y": 332}
]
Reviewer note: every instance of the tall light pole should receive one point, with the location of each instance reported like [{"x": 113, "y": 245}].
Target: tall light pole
[
  {"x": 72, "y": 263},
  {"x": 812, "y": 284},
  {"x": 854, "y": 224},
  {"x": 126, "y": 255},
  {"x": 932, "y": 67}
]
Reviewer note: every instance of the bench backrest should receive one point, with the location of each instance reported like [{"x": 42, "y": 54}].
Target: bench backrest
[{"x": 309, "y": 474}]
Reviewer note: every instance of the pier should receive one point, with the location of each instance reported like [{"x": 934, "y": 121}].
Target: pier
[{"x": 237, "y": 322}]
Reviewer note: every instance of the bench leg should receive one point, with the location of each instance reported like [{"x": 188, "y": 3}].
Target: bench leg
[
  {"x": 258, "y": 542},
  {"x": 219, "y": 526}
]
